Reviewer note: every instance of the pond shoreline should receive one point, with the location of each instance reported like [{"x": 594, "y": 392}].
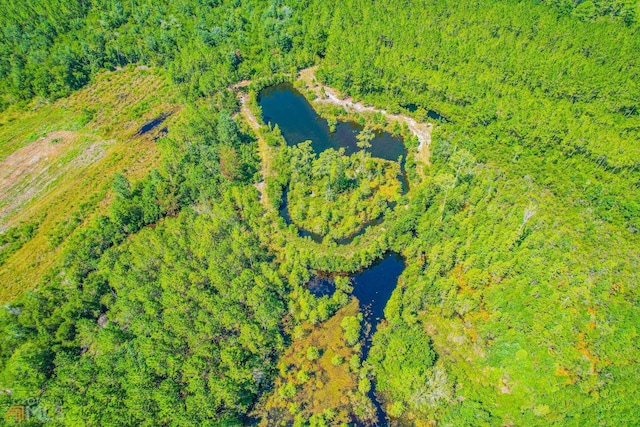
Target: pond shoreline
[
  {"x": 373, "y": 284},
  {"x": 372, "y": 288},
  {"x": 384, "y": 273},
  {"x": 326, "y": 94}
]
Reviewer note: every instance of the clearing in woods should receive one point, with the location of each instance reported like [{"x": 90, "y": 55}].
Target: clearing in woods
[{"x": 57, "y": 161}]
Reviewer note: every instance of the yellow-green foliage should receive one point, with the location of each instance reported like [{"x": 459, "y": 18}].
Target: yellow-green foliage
[
  {"x": 335, "y": 195},
  {"x": 57, "y": 161},
  {"x": 521, "y": 265},
  {"x": 319, "y": 386}
]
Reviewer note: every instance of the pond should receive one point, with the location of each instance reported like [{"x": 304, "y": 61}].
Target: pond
[
  {"x": 147, "y": 127},
  {"x": 373, "y": 288},
  {"x": 283, "y": 105},
  {"x": 432, "y": 114}
]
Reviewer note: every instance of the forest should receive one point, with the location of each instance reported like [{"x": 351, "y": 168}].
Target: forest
[{"x": 176, "y": 293}]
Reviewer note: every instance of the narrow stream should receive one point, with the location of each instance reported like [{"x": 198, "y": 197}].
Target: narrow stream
[
  {"x": 373, "y": 288},
  {"x": 298, "y": 121}
]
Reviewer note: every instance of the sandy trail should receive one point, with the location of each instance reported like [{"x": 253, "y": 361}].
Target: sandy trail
[
  {"x": 248, "y": 114},
  {"x": 263, "y": 148},
  {"x": 328, "y": 95}
]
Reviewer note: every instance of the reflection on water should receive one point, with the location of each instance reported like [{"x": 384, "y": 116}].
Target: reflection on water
[{"x": 283, "y": 105}]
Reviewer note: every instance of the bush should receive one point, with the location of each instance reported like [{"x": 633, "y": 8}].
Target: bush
[{"x": 313, "y": 353}]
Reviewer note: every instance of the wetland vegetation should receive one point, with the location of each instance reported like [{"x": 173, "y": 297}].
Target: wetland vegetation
[{"x": 456, "y": 245}]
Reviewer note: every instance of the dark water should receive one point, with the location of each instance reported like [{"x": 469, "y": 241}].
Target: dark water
[
  {"x": 437, "y": 116},
  {"x": 283, "y": 105},
  {"x": 162, "y": 133},
  {"x": 412, "y": 108},
  {"x": 284, "y": 213},
  {"x": 361, "y": 231},
  {"x": 298, "y": 122},
  {"x": 373, "y": 288},
  {"x": 432, "y": 114},
  {"x": 153, "y": 123},
  {"x": 321, "y": 286}
]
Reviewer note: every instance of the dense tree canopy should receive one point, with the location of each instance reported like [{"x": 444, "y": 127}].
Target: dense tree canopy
[
  {"x": 519, "y": 301},
  {"x": 337, "y": 195}
]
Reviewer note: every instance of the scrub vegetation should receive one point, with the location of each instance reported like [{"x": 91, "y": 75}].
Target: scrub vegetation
[
  {"x": 148, "y": 278},
  {"x": 57, "y": 164},
  {"x": 319, "y": 376}
]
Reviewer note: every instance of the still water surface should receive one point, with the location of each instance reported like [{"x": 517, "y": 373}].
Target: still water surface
[
  {"x": 283, "y": 105},
  {"x": 373, "y": 288}
]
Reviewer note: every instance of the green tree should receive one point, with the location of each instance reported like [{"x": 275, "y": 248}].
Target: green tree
[{"x": 351, "y": 328}]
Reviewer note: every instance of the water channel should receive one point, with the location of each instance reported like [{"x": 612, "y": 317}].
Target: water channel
[
  {"x": 373, "y": 288},
  {"x": 283, "y": 105}
]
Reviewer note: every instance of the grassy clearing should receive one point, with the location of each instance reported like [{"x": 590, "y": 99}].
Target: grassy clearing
[{"x": 57, "y": 161}]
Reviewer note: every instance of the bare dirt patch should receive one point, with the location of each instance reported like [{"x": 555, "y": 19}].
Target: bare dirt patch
[
  {"x": 27, "y": 172},
  {"x": 241, "y": 84}
]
